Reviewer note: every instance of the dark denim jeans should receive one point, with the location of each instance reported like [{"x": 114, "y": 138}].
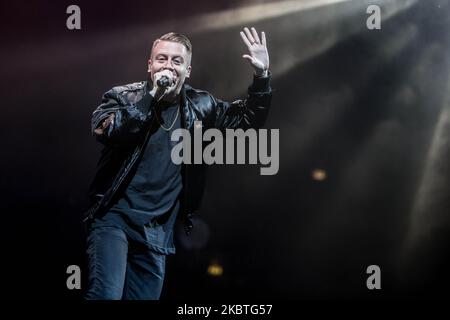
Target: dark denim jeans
[{"x": 122, "y": 268}]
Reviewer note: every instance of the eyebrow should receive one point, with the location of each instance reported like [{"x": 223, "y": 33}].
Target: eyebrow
[{"x": 165, "y": 55}]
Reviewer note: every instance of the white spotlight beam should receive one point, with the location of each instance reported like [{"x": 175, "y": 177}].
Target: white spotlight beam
[
  {"x": 426, "y": 214},
  {"x": 236, "y": 17}
]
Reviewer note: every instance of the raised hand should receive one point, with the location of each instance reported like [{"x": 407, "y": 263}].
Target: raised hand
[{"x": 258, "y": 55}]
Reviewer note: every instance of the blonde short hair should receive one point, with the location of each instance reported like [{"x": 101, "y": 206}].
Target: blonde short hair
[{"x": 175, "y": 37}]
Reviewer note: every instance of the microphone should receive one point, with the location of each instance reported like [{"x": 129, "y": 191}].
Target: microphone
[{"x": 163, "y": 82}]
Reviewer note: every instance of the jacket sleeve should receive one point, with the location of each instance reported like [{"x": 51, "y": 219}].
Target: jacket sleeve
[
  {"x": 116, "y": 120},
  {"x": 248, "y": 113}
]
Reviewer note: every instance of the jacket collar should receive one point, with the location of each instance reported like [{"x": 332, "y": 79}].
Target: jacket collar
[{"x": 188, "y": 115}]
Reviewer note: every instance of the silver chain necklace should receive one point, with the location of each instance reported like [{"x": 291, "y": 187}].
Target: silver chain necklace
[{"x": 173, "y": 123}]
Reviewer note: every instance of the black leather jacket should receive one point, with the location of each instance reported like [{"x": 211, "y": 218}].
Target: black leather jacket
[{"x": 120, "y": 124}]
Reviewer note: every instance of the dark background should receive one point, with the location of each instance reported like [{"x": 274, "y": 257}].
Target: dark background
[{"x": 369, "y": 107}]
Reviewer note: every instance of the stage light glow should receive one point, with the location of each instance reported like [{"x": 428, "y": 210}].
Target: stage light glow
[
  {"x": 215, "y": 269},
  {"x": 319, "y": 175}
]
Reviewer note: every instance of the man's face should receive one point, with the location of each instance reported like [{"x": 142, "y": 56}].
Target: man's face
[{"x": 172, "y": 56}]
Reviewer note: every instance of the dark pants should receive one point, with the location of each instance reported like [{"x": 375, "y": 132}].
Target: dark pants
[{"x": 121, "y": 268}]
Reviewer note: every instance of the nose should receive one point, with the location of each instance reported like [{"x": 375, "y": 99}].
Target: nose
[{"x": 169, "y": 65}]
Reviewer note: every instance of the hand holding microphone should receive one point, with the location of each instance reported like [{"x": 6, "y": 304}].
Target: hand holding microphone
[
  {"x": 162, "y": 84},
  {"x": 164, "y": 78}
]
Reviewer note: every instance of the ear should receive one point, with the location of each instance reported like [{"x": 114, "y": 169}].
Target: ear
[
  {"x": 188, "y": 72},
  {"x": 149, "y": 64}
]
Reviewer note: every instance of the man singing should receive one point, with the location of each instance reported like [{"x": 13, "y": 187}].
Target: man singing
[{"x": 138, "y": 192}]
